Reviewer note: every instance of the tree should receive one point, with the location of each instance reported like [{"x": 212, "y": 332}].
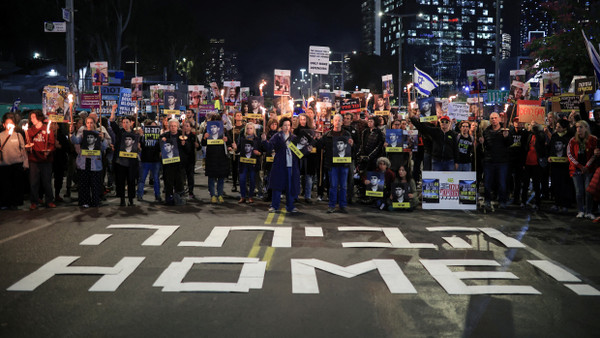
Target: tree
[{"x": 564, "y": 50}]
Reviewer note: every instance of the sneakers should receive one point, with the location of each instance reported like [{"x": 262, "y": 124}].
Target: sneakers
[
  {"x": 554, "y": 208},
  {"x": 319, "y": 198},
  {"x": 213, "y": 200},
  {"x": 271, "y": 209},
  {"x": 343, "y": 210},
  {"x": 157, "y": 199},
  {"x": 85, "y": 206},
  {"x": 590, "y": 216},
  {"x": 330, "y": 210},
  {"x": 580, "y": 214},
  {"x": 33, "y": 206},
  {"x": 221, "y": 200},
  {"x": 234, "y": 188},
  {"x": 52, "y": 205},
  {"x": 140, "y": 198},
  {"x": 294, "y": 211}
]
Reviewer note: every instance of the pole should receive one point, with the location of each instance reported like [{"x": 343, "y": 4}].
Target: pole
[
  {"x": 71, "y": 47},
  {"x": 399, "y": 62},
  {"x": 497, "y": 63}
]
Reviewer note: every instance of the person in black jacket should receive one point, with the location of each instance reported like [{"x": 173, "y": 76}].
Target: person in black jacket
[
  {"x": 496, "y": 141},
  {"x": 150, "y": 158},
  {"x": 371, "y": 145},
  {"x": 559, "y": 166},
  {"x": 188, "y": 155},
  {"x": 444, "y": 145},
  {"x": 126, "y": 168},
  {"x": 248, "y": 146},
  {"x": 173, "y": 172}
]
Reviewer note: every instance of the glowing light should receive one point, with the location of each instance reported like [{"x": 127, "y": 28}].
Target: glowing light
[
  {"x": 291, "y": 104},
  {"x": 48, "y": 127},
  {"x": 261, "y": 85},
  {"x": 26, "y": 126},
  {"x": 10, "y": 127},
  {"x": 70, "y": 97},
  {"x": 369, "y": 97}
]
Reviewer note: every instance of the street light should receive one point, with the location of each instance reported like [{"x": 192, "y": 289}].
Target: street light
[{"x": 400, "y": 16}]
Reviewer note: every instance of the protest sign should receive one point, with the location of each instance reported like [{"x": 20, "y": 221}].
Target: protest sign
[
  {"x": 550, "y": 84},
  {"x": 281, "y": 86},
  {"x": 136, "y": 88},
  {"x": 55, "y": 104},
  {"x": 585, "y": 86},
  {"x": 477, "y": 81},
  {"x": 318, "y": 60},
  {"x": 126, "y": 104},
  {"x": 388, "y": 85},
  {"x": 458, "y": 111},
  {"x": 565, "y": 103},
  {"x": 195, "y": 95},
  {"x": 350, "y": 106},
  {"x": 151, "y": 135},
  {"x": 89, "y": 101},
  {"x": 449, "y": 190},
  {"x": 529, "y": 111},
  {"x": 99, "y": 70}
]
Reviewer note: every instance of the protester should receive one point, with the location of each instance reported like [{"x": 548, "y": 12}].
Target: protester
[
  {"x": 559, "y": 166},
  {"x": 534, "y": 144},
  {"x": 310, "y": 162},
  {"x": 285, "y": 173},
  {"x": 444, "y": 149},
  {"x": 89, "y": 164},
  {"x": 496, "y": 142},
  {"x": 249, "y": 148},
  {"x": 13, "y": 161},
  {"x": 582, "y": 152},
  {"x": 337, "y": 171},
  {"x": 383, "y": 167},
  {"x": 272, "y": 127},
  {"x": 217, "y": 164},
  {"x": 403, "y": 190},
  {"x": 41, "y": 146},
  {"x": 126, "y": 168},
  {"x": 187, "y": 152},
  {"x": 464, "y": 157},
  {"x": 173, "y": 172}
]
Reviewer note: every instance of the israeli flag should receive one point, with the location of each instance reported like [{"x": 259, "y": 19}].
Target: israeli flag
[
  {"x": 594, "y": 57},
  {"x": 423, "y": 82}
]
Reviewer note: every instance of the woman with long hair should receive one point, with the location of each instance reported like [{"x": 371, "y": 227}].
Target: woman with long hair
[{"x": 582, "y": 152}]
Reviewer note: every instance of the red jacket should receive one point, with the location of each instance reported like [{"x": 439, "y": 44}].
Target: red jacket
[
  {"x": 41, "y": 142},
  {"x": 573, "y": 150}
]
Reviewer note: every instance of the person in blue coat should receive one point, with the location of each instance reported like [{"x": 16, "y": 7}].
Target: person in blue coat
[{"x": 285, "y": 173}]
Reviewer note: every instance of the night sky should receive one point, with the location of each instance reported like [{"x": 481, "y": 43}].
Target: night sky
[{"x": 277, "y": 34}]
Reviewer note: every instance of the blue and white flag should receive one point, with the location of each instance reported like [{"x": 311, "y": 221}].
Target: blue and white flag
[
  {"x": 423, "y": 82},
  {"x": 594, "y": 57},
  {"x": 15, "y": 106}
]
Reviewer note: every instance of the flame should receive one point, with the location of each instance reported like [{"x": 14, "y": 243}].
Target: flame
[
  {"x": 10, "y": 127},
  {"x": 26, "y": 126},
  {"x": 310, "y": 99},
  {"x": 261, "y": 85},
  {"x": 318, "y": 106},
  {"x": 408, "y": 86},
  {"x": 505, "y": 107},
  {"x": 369, "y": 97},
  {"x": 70, "y": 97},
  {"x": 135, "y": 110},
  {"x": 452, "y": 98},
  {"x": 291, "y": 103},
  {"x": 263, "y": 110},
  {"x": 222, "y": 92},
  {"x": 48, "y": 127}
]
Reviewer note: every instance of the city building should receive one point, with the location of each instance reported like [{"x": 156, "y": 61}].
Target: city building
[
  {"x": 222, "y": 64},
  {"x": 447, "y": 39}
]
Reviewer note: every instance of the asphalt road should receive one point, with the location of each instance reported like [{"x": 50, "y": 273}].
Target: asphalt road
[{"x": 295, "y": 275}]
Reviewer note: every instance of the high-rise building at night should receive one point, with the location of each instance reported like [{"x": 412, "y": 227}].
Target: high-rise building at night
[
  {"x": 371, "y": 27},
  {"x": 222, "y": 64},
  {"x": 534, "y": 23},
  {"x": 449, "y": 38}
]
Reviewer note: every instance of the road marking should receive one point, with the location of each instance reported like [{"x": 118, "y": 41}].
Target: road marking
[
  {"x": 270, "y": 218},
  {"x": 268, "y": 256},
  {"x": 281, "y": 217},
  {"x": 256, "y": 246},
  {"x": 37, "y": 228}
]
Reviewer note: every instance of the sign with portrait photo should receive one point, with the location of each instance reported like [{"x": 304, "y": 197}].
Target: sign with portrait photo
[
  {"x": 427, "y": 109},
  {"x": 282, "y": 82},
  {"x": 375, "y": 184},
  {"x": 195, "y": 95},
  {"x": 400, "y": 198},
  {"x": 91, "y": 144},
  {"x": 157, "y": 95},
  {"x": 99, "y": 70},
  {"x": 393, "y": 138},
  {"x": 129, "y": 145},
  {"x": 388, "y": 85},
  {"x": 231, "y": 94},
  {"x": 326, "y": 98},
  {"x": 169, "y": 152},
  {"x": 255, "y": 107},
  {"x": 477, "y": 81},
  {"x": 55, "y": 104},
  {"x": 381, "y": 105},
  {"x": 550, "y": 84},
  {"x": 137, "y": 92},
  {"x": 410, "y": 142},
  {"x": 449, "y": 190},
  {"x": 215, "y": 132},
  {"x": 342, "y": 151}
]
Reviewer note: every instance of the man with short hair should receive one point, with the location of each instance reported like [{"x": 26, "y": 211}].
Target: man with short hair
[
  {"x": 444, "y": 144},
  {"x": 496, "y": 142}
]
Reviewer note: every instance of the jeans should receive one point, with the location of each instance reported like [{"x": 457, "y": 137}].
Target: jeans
[
  {"x": 584, "y": 198},
  {"x": 437, "y": 165},
  {"x": 289, "y": 199},
  {"x": 247, "y": 175},
  {"x": 533, "y": 173},
  {"x": 40, "y": 173},
  {"x": 464, "y": 166},
  {"x": 427, "y": 161},
  {"x": 145, "y": 168},
  {"x": 495, "y": 176},
  {"x": 338, "y": 183},
  {"x": 211, "y": 186},
  {"x": 308, "y": 183}
]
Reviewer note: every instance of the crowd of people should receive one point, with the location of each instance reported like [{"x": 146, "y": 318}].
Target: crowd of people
[{"x": 321, "y": 154}]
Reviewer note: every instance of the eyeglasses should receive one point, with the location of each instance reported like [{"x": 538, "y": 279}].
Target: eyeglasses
[{"x": 445, "y": 121}]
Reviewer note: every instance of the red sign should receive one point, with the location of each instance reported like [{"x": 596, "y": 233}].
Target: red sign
[{"x": 530, "y": 110}]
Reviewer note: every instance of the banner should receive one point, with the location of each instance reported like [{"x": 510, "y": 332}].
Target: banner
[
  {"x": 459, "y": 111},
  {"x": 151, "y": 135},
  {"x": 529, "y": 111},
  {"x": 387, "y": 85},
  {"x": 477, "y": 81},
  {"x": 126, "y": 104},
  {"x": 565, "y": 103},
  {"x": 455, "y": 190},
  {"x": 99, "y": 70},
  {"x": 282, "y": 82},
  {"x": 318, "y": 60}
]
